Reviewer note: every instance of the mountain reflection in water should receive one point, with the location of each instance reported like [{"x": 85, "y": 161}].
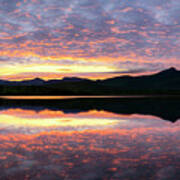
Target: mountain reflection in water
[{"x": 46, "y": 143}]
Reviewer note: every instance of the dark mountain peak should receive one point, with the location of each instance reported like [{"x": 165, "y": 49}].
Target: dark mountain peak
[
  {"x": 171, "y": 69},
  {"x": 38, "y": 80},
  {"x": 73, "y": 79},
  {"x": 168, "y": 72}
]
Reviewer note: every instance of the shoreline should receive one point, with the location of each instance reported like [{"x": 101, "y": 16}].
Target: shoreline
[{"x": 61, "y": 97}]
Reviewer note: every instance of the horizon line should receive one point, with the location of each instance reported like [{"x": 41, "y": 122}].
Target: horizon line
[{"x": 87, "y": 78}]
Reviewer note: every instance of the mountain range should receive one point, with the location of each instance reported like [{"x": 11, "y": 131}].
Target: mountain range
[{"x": 164, "y": 82}]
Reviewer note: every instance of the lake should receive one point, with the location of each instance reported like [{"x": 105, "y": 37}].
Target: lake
[{"x": 89, "y": 138}]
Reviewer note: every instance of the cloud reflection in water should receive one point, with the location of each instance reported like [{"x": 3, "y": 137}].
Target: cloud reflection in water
[{"x": 90, "y": 145}]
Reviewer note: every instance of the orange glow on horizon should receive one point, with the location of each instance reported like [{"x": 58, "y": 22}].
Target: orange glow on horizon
[{"x": 50, "y": 67}]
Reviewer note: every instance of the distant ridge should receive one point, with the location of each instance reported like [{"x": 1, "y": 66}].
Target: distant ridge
[
  {"x": 164, "y": 82},
  {"x": 169, "y": 71}
]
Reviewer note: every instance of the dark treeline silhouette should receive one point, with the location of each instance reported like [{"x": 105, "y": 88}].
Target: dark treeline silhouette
[
  {"x": 165, "y": 82},
  {"x": 165, "y": 108}
]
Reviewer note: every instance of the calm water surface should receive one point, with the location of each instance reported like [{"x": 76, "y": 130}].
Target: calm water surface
[
  {"x": 50, "y": 144},
  {"x": 64, "y": 97}
]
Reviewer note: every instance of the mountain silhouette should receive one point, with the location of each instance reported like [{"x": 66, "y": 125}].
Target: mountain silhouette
[
  {"x": 169, "y": 71},
  {"x": 164, "y": 82}
]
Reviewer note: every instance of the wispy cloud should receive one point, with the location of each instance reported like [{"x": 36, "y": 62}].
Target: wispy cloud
[{"x": 70, "y": 32}]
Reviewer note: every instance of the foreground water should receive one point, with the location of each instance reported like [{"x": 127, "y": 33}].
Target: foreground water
[{"x": 57, "y": 141}]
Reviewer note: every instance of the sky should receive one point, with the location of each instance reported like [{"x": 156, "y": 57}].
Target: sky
[{"x": 94, "y": 39}]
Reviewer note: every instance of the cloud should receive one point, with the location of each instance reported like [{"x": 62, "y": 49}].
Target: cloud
[{"x": 95, "y": 30}]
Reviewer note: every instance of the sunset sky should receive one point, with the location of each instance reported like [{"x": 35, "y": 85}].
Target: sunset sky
[{"x": 87, "y": 38}]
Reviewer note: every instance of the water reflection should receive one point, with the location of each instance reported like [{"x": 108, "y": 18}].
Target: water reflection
[
  {"x": 166, "y": 108},
  {"x": 32, "y": 121},
  {"x": 96, "y": 144},
  {"x": 64, "y": 97}
]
